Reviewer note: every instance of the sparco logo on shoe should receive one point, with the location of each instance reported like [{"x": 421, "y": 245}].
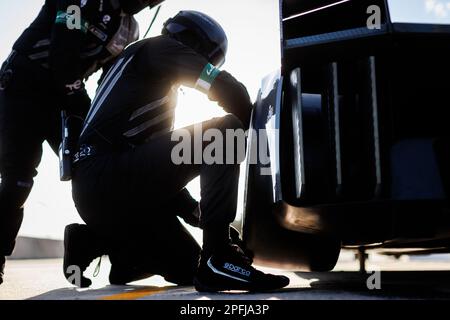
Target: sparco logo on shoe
[{"x": 236, "y": 269}]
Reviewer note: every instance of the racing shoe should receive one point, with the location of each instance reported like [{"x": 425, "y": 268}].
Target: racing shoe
[
  {"x": 80, "y": 249},
  {"x": 231, "y": 269},
  {"x": 2, "y": 268}
]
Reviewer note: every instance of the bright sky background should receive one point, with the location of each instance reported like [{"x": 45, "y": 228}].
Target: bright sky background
[{"x": 253, "y": 32}]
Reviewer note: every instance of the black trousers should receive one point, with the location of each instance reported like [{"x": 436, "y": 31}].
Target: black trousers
[
  {"x": 126, "y": 197},
  {"x": 28, "y": 116}
]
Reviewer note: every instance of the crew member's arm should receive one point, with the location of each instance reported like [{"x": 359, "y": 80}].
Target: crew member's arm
[
  {"x": 177, "y": 61},
  {"x": 65, "y": 60},
  {"x": 231, "y": 95},
  {"x": 105, "y": 69}
]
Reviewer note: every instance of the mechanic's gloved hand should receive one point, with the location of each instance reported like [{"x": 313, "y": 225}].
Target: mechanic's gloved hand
[{"x": 193, "y": 219}]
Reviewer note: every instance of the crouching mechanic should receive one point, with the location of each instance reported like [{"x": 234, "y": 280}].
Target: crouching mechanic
[
  {"x": 125, "y": 179},
  {"x": 43, "y": 75}
]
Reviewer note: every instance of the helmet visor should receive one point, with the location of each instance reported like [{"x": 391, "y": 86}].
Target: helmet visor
[{"x": 218, "y": 57}]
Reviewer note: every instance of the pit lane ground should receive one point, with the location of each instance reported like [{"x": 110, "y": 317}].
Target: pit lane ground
[{"x": 404, "y": 278}]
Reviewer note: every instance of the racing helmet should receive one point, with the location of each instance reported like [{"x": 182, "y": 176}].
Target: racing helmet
[
  {"x": 199, "y": 32},
  {"x": 135, "y": 6}
]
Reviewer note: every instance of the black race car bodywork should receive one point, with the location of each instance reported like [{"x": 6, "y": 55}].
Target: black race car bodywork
[{"x": 357, "y": 136}]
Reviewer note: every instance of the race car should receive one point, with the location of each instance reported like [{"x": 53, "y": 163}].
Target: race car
[{"x": 355, "y": 129}]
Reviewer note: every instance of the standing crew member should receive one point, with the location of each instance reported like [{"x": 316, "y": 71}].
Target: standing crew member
[
  {"x": 124, "y": 168},
  {"x": 44, "y": 74}
]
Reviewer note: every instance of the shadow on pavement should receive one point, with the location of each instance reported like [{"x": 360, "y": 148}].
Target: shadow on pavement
[
  {"x": 157, "y": 293},
  {"x": 400, "y": 284},
  {"x": 386, "y": 285},
  {"x": 106, "y": 293}
]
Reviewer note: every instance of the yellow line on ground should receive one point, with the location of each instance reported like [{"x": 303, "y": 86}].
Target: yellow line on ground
[{"x": 135, "y": 294}]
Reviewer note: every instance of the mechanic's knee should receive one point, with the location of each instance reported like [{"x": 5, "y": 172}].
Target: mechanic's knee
[{"x": 14, "y": 192}]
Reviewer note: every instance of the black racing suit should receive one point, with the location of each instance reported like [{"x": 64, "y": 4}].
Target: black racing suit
[
  {"x": 126, "y": 185},
  {"x": 43, "y": 75}
]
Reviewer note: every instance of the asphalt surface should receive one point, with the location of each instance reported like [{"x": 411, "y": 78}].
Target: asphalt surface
[{"x": 406, "y": 278}]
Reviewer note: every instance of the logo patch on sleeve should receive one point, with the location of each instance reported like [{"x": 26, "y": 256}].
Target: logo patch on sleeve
[{"x": 207, "y": 77}]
